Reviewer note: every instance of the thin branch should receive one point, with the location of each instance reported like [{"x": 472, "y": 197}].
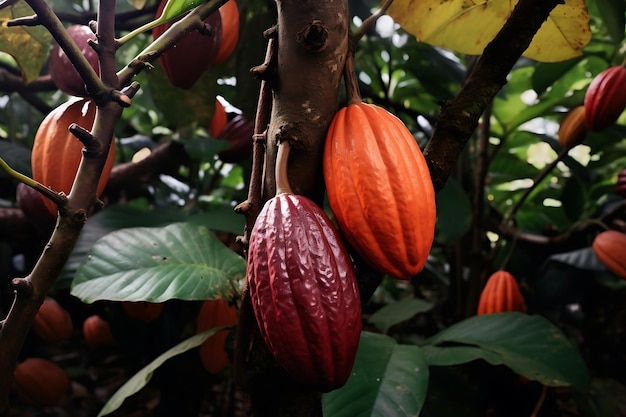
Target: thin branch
[{"x": 367, "y": 23}]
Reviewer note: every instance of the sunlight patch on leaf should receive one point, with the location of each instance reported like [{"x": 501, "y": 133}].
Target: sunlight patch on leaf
[{"x": 467, "y": 26}]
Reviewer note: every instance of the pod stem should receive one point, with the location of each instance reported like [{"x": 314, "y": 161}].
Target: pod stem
[
  {"x": 352, "y": 83},
  {"x": 282, "y": 179}
]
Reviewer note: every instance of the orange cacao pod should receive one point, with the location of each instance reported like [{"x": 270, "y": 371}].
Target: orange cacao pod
[
  {"x": 40, "y": 382},
  {"x": 218, "y": 120},
  {"x": 57, "y": 153},
  {"x": 52, "y": 323},
  {"x": 501, "y": 294},
  {"x": 379, "y": 189},
  {"x": 605, "y": 98},
  {"x": 142, "y": 310},
  {"x": 230, "y": 31},
  {"x": 97, "y": 332},
  {"x": 610, "y": 248},
  {"x": 214, "y": 313},
  {"x": 572, "y": 130}
]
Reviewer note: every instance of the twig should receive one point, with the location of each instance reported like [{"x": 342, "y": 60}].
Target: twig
[
  {"x": 367, "y": 23},
  {"x": 542, "y": 397}
]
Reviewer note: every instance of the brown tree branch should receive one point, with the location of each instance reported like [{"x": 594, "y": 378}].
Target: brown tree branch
[{"x": 459, "y": 117}]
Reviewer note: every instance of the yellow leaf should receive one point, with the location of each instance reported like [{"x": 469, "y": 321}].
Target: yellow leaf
[
  {"x": 467, "y": 26},
  {"x": 27, "y": 45}
]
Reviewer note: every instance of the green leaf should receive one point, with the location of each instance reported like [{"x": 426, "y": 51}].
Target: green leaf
[
  {"x": 141, "y": 378},
  {"x": 175, "y": 8},
  {"x": 454, "y": 212},
  {"x": 16, "y": 156},
  {"x": 613, "y": 14},
  {"x": 398, "y": 312},
  {"x": 530, "y": 345},
  {"x": 387, "y": 380},
  {"x": 27, "y": 45},
  {"x": 179, "y": 261}
]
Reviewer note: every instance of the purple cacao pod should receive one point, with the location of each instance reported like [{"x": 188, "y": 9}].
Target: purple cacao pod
[
  {"x": 238, "y": 132},
  {"x": 304, "y": 292},
  {"x": 605, "y": 98},
  {"x": 620, "y": 185}
]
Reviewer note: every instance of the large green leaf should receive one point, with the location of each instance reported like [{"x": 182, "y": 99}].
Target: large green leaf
[
  {"x": 530, "y": 345},
  {"x": 398, "y": 312},
  {"x": 454, "y": 212},
  {"x": 179, "y": 261},
  {"x": 141, "y": 378},
  {"x": 388, "y": 380}
]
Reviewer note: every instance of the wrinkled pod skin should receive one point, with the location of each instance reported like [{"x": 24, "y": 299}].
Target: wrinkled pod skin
[
  {"x": 501, "y": 294},
  {"x": 304, "y": 292}
]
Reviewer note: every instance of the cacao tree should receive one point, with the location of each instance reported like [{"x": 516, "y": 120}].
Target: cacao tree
[{"x": 516, "y": 108}]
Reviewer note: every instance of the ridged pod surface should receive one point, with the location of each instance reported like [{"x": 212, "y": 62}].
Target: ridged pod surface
[
  {"x": 605, "y": 98},
  {"x": 501, "y": 294},
  {"x": 304, "y": 292},
  {"x": 214, "y": 313},
  {"x": 56, "y": 152},
  {"x": 610, "y": 248},
  {"x": 39, "y": 381},
  {"x": 97, "y": 332},
  {"x": 229, "y": 12},
  {"x": 52, "y": 322},
  {"x": 573, "y": 128},
  {"x": 379, "y": 189}
]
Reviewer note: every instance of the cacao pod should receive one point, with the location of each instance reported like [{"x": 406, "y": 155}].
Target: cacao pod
[
  {"x": 63, "y": 72},
  {"x": 218, "y": 120},
  {"x": 303, "y": 288},
  {"x": 501, "y": 294},
  {"x": 379, "y": 189},
  {"x": 214, "y": 313},
  {"x": 33, "y": 206},
  {"x": 572, "y": 130},
  {"x": 97, "y": 332},
  {"x": 52, "y": 322},
  {"x": 610, "y": 248},
  {"x": 57, "y": 153},
  {"x": 38, "y": 381},
  {"x": 229, "y": 12},
  {"x": 186, "y": 61},
  {"x": 238, "y": 132},
  {"x": 142, "y": 310},
  {"x": 620, "y": 185},
  {"x": 605, "y": 98}
]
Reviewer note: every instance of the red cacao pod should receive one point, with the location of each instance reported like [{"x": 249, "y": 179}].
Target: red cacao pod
[
  {"x": 38, "y": 381},
  {"x": 229, "y": 12},
  {"x": 97, "y": 332},
  {"x": 610, "y": 248},
  {"x": 605, "y": 98},
  {"x": 52, "y": 322},
  {"x": 238, "y": 132},
  {"x": 63, "y": 72},
  {"x": 33, "y": 206},
  {"x": 572, "y": 130},
  {"x": 303, "y": 288},
  {"x": 379, "y": 189},
  {"x": 501, "y": 294},
  {"x": 214, "y": 313},
  {"x": 620, "y": 185},
  {"x": 218, "y": 120},
  {"x": 186, "y": 61},
  {"x": 57, "y": 153},
  {"x": 142, "y": 310}
]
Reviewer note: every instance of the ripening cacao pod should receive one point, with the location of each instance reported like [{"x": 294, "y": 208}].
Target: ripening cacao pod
[
  {"x": 572, "y": 130},
  {"x": 605, "y": 98},
  {"x": 214, "y": 313},
  {"x": 379, "y": 189},
  {"x": 142, "y": 310},
  {"x": 610, "y": 248},
  {"x": 238, "y": 132},
  {"x": 218, "y": 120},
  {"x": 97, "y": 332},
  {"x": 57, "y": 153},
  {"x": 33, "y": 206},
  {"x": 303, "y": 290},
  {"x": 38, "y": 381},
  {"x": 501, "y": 294},
  {"x": 229, "y": 12},
  {"x": 186, "y": 61},
  {"x": 63, "y": 72},
  {"x": 52, "y": 322},
  {"x": 620, "y": 185}
]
